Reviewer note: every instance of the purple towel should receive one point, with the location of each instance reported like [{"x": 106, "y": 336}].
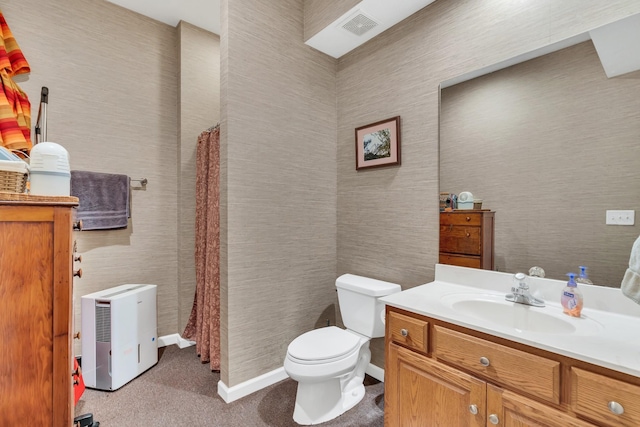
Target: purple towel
[{"x": 104, "y": 199}]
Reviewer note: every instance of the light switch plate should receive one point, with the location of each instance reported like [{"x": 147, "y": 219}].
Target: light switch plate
[{"x": 621, "y": 217}]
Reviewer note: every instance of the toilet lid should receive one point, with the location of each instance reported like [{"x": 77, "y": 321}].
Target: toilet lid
[{"x": 323, "y": 344}]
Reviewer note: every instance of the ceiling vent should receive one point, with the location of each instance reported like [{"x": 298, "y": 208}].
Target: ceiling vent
[{"x": 359, "y": 24}]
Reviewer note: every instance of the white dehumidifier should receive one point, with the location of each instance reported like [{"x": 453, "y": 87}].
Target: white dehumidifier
[{"x": 119, "y": 335}]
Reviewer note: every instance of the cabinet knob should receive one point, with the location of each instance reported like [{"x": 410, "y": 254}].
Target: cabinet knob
[
  {"x": 615, "y": 407},
  {"x": 78, "y": 258},
  {"x": 78, "y": 272},
  {"x": 77, "y": 225},
  {"x": 484, "y": 361},
  {"x": 468, "y": 234},
  {"x": 76, "y": 336},
  {"x": 493, "y": 419},
  {"x": 468, "y": 218},
  {"x": 473, "y": 409},
  {"x": 404, "y": 332}
]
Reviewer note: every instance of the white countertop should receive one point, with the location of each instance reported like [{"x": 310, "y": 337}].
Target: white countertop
[{"x": 607, "y": 334}]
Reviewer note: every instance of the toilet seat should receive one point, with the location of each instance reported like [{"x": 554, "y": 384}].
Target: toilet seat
[{"x": 323, "y": 345}]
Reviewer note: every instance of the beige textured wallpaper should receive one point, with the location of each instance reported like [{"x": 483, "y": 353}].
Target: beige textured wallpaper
[
  {"x": 279, "y": 189},
  {"x": 388, "y": 218},
  {"x": 114, "y": 83},
  {"x": 320, "y": 13},
  {"x": 112, "y": 79},
  {"x": 550, "y": 145},
  {"x": 199, "y": 104}
]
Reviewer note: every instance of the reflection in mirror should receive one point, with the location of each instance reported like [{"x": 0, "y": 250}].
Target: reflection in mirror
[{"x": 549, "y": 145}]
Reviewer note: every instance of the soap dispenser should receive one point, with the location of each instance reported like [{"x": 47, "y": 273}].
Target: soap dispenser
[
  {"x": 571, "y": 298},
  {"x": 583, "y": 279}
]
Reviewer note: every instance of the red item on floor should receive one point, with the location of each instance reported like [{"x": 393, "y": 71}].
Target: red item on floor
[{"x": 78, "y": 382}]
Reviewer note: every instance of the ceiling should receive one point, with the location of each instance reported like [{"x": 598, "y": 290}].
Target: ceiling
[
  {"x": 334, "y": 40},
  {"x": 201, "y": 13}
]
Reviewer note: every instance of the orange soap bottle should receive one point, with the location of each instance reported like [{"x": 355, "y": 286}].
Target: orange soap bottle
[{"x": 571, "y": 298}]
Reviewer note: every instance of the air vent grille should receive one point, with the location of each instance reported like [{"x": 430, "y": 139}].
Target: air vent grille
[
  {"x": 359, "y": 24},
  {"x": 103, "y": 323}
]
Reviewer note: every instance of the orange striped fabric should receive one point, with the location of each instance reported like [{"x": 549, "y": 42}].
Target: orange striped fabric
[{"x": 15, "y": 109}]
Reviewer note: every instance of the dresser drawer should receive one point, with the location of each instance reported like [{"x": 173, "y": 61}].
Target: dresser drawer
[
  {"x": 407, "y": 330},
  {"x": 460, "y": 239},
  {"x": 460, "y": 260},
  {"x": 593, "y": 394},
  {"x": 515, "y": 369},
  {"x": 460, "y": 218}
]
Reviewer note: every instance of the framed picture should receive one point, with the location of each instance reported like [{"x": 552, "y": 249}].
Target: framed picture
[{"x": 378, "y": 144}]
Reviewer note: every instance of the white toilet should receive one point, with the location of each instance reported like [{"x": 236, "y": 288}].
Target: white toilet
[{"x": 329, "y": 363}]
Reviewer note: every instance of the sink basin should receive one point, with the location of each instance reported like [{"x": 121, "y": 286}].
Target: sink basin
[{"x": 523, "y": 318}]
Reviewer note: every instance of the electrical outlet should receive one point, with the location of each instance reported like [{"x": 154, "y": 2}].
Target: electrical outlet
[{"x": 621, "y": 217}]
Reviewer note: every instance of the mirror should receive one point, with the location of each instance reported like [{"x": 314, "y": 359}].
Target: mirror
[{"x": 549, "y": 144}]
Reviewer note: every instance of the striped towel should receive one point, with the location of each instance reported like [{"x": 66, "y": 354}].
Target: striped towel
[{"x": 15, "y": 109}]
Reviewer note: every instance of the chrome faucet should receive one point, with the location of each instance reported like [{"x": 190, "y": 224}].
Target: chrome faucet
[{"x": 520, "y": 292}]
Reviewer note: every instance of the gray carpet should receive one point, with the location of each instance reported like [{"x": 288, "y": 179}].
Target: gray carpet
[{"x": 181, "y": 391}]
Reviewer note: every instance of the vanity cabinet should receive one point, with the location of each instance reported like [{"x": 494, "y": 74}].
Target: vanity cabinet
[
  {"x": 466, "y": 238},
  {"x": 452, "y": 376},
  {"x": 35, "y": 310}
]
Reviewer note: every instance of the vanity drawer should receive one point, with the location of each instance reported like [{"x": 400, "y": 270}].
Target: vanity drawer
[
  {"x": 409, "y": 331},
  {"x": 461, "y": 218},
  {"x": 519, "y": 370},
  {"x": 592, "y": 395}
]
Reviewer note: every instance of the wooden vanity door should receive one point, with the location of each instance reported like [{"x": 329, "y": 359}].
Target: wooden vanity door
[
  {"x": 420, "y": 392},
  {"x": 507, "y": 409}
]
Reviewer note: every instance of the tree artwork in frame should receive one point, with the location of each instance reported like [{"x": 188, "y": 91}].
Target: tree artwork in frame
[{"x": 378, "y": 144}]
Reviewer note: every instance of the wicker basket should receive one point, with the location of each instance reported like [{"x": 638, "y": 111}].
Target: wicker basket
[{"x": 13, "y": 182}]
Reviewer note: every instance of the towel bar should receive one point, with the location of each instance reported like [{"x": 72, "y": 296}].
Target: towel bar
[{"x": 142, "y": 181}]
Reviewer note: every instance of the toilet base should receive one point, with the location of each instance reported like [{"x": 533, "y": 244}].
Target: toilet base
[{"x": 320, "y": 402}]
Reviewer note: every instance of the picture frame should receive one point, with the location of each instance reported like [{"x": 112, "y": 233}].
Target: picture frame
[{"x": 378, "y": 144}]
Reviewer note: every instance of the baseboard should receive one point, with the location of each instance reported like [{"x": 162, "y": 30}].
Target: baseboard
[
  {"x": 230, "y": 394},
  {"x": 376, "y": 372},
  {"x": 176, "y": 339}
]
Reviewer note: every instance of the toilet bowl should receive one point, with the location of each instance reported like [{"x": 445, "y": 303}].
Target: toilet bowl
[{"x": 329, "y": 363}]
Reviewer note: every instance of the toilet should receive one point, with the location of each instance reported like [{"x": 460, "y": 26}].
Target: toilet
[{"x": 329, "y": 363}]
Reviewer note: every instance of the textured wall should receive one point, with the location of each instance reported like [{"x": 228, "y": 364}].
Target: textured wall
[
  {"x": 320, "y": 13},
  {"x": 112, "y": 77},
  {"x": 388, "y": 218},
  {"x": 199, "y": 104},
  {"x": 549, "y": 144},
  {"x": 279, "y": 189}
]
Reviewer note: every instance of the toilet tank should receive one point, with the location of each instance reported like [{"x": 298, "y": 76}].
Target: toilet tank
[{"x": 361, "y": 310}]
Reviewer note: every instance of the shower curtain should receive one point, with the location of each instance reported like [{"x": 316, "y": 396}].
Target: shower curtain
[{"x": 204, "y": 322}]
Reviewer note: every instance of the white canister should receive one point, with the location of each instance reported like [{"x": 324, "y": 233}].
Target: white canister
[{"x": 50, "y": 171}]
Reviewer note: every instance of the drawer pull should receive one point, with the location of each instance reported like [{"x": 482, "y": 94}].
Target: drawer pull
[
  {"x": 616, "y": 408},
  {"x": 78, "y": 272},
  {"x": 484, "y": 361},
  {"x": 473, "y": 409},
  {"x": 77, "y": 225},
  {"x": 404, "y": 332},
  {"x": 468, "y": 234},
  {"x": 78, "y": 258},
  {"x": 493, "y": 419},
  {"x": 76, "y": 336},
  {"x": 468, "y": 218}
]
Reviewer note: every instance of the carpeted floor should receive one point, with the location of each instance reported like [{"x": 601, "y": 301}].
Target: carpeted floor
[{"x": 181, "y": 391}]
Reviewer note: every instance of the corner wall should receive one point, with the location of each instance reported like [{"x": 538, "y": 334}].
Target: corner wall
[
  {"x": 199, "y": 109},
  {"x": 278, "y": 262}
]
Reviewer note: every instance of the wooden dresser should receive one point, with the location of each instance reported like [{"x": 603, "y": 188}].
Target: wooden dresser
[
  {"x": 36, "y": 272},
  {"x": 466, "y": 238}
]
